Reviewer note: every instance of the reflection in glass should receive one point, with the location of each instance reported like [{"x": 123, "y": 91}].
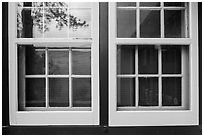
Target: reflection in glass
[
  {"x": 79, "y": 4},
  {"x": 125, "y": 92},
  {"x": 126, "y": 4},
  {"x": 174, "y": 24},
  {"x": 29, "y": 23},
  {"x": 80, "y": 23},
  {"x": 35, "y": 92},
  {"x": 126, "y": 59},
  {"x": 174, "y": 4},
  {"x": 171, "y": 91},
  {"x": 58, "y": 62},
  {"x": 81, "y": 91},
  {"x": 58, "y": 92},
  {"x": 150, "y": 4},
  {"x": 55, "y": 4},
  {"x": 81, "y": 62},
  {"x": 126, "y": 23},
  {"x": 30, "y": 4},
  {"x": 147, "y": 59},
  {"x": 34, "y": 60},
  {"x": 171, "y": 59},
  {"x": 149, "y": 24},
  {"x": 53, "y": 22},
  {"x": 56, "y": 27},
  {"x": 148, "y": 91}
]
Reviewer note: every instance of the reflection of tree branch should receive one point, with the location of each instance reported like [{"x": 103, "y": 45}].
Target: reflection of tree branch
[
  {"x": 64, "y": 20},
  {"x": 59, "y": 15}
]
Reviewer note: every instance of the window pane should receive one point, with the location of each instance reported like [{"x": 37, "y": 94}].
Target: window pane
[
  {"x": 30, "y": 4},
  {"x": 81, "y": 62},
  {"x": 126, "y": 4},
  {"x": 34, "y": 60},
  {"x": 147, "y": 59},
  {"x": 30, "y": 23},
  {"x": 149, "y": 24},
  {"x": 35, "y": 92},
  {"x": 171, "y": 91},
  {"x": 148, "y": 91},
  {"x": 79, "y": 4},
  {"x": 58, "y": 92},
  {"x": 56, "y": 23},
  {"x": 126, "y": 59},
  {"x": 58, "y": 62},
  {"x": 126, "y": 23},
  {"x": 55, "y": 4},
  {"x": 174, "y": 4},
  {"x": 125, "y": 92},
  {"x": 171, "y": 59},
  {"x": 80, "y": 23},
  {"x": 81, "y": 91},
  {"x": 150, "y": 4},
  {"x": 174, "y": 24}
]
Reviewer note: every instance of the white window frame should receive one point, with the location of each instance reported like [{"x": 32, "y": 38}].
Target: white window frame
[
  {"x": 154, "y": 117},
  {"x": 76, "y": 117}
]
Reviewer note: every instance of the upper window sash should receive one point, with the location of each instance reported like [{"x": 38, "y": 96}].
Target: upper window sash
[
  {"x": 134, "y": 17},
  {"x": 75, "y": 23}
]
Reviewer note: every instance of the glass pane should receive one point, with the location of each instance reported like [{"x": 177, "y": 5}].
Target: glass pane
[
  {"x": 147, "y": 59},
  {"x": 81, "y": 62},
  {"x": 171, "y": 91},
  {"x": 30, "y": 23},
  {"x": 125, "y": 92},
  {"x": 58, "y": 92},
  {"x": 55, "y": 4},
  {"x": 174, "y": 4},
  {"x": 34, "y": 60},
  {"x": 58, "y": 62},
  {"x": 126, "y": 4},
  {"x": 126, "y": 23},
  {"x": 171, "y": 59},
  {"x": 150, "y": 4},
  {"x": 80, "y": 23},
  {"x": 35, "y": 92},
  {"x": 148, "y": 92},
  {"x": 149, "y": 24},
  {"x": 174, "y": 24},
  {"x": 30, "y": 4},
  {"x": 126, "y": 59},
  {"x": 80, "y": 4},
  {"x": 56, "y": 23},
  {"x": 81, "y": 91}
]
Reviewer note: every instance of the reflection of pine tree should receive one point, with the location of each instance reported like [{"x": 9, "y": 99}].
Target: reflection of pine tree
[
  {"x": 35, "y": 61},
  {"x": 49, "y": 14}
]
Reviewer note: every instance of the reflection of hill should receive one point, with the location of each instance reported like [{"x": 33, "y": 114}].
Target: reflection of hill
[
  {"x": 58, "y": 62},
  {"x": 149, "y": 24}
]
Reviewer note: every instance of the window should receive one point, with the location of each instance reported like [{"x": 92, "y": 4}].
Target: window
[
  {"x": 54, "y": 63},
  {"x": 54, "y": 50},
  {"x": 152, "y": 71}
]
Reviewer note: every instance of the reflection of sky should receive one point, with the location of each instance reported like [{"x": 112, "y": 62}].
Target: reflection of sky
[
  {"x": 81, "y": 32},
  {"x": 55, "y": 32},
  {"x": 83, "y": 15}
]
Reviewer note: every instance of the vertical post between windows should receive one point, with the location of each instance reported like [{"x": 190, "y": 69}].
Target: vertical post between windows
[
  {"x": 160, "y": 74},
  {"x": 46, "y": 78},
  {"x": 162, "y": 19},
  {"x": 138, "y": 20},
  {"x": 70, "y": 77},
  {"x": 136, "y": 78}
]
